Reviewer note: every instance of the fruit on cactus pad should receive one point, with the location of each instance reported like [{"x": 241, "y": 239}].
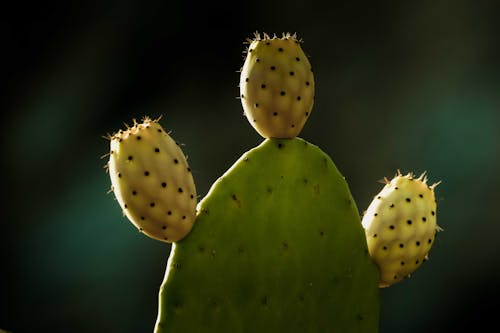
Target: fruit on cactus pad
[
  {"x": 152, "y": 181},
  {"x": 276, "y": 86},
  {"x": 400, "y": 226}
]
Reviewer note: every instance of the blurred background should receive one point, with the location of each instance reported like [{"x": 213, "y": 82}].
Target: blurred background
[{"x": 408, "y": 85}]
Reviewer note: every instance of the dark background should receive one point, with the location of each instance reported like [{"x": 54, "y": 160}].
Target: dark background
[{"x": 408, "y": 85}]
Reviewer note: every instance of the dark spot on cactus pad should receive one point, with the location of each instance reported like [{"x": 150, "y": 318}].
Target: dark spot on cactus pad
[
  {"x": 125, "y": 206},
  {"x": 359, "y": 317},
  {"x": 257, "y": 60},
  {"x": 292, "y": 73},
  {"x": 409, "y": 222},
  {"x": 421, "y": 195},
  {"x": 146, "y": 173},
  {"x": 321, "y": 233},
  {"x": 273, "y": 68},
  {"x": 139, "y": 137},
  {"x": 379, "y": 197},
  {"x": 152, "y": 204},
  {"x": 299, "y": 98},
  {"x": 180, "y": 190},
  {"x": 402, "y": 263},
  {"x": 183, "y": 217},
  {"x": 374, "y": 235},
  {"x": 392, "y": 227},
  {"x": 256, "y": 105},
  {"x": 285, "y": 245},
  {"x": 176, "y": 161},
  {"x": 280, "y": 49},
  {"x": 280, "y": 145},
  {"x": 119, "y": 175},
  {"x": 188, "y": 169},
  {"x": 408, "y": 199},
  {"x": 201, "y": 248},
  {"x": 433, "y": 213},
  {"x": 391, "y": 206},
  {"x": 376, "y": 214},
  {"x": 417, "y": 243},
  {"x": 264, "y": 301},
  {"x": 401, "y": 245},
  {"x": 301, "y": 298},
  {"x": 191, "y": 196},
  {"x": 396, "y": 188},
  {"x": 269, "y": 189},
  {"x": 134, "y": 192},
  {"x": 130, "y": 158},
  {"x": 417, "y": 261},
  {"x": 246, "y": 80},
  {"x": 429, "y": 240},
  {"x": 250, "y": 50},
  {"x": 159, "y": 130},
  {"x": 140, "y": 229},
  {"x": 307, "y": 113},
  {"x": 293, "y": 125},
  {"x": 164, "y": 227},
  {"x": 169, "y": 212},
  {"x": 142, "y": 218},
  {"x": 306, "y": 181},
  {"x": 282, "y": 93},
  {"x": 424, "y": 219},
  {"x": 241, "y": 250},
  {"x": 164, "y": 184},
  {"x": 384, "y": 247},
  {"x": 263, "y": 86},
  {"x": 307, "y": 83},
  {"x": 395, "y": 277},
  {"x": 157, "y": 150},
  {"x": 275, "y": 113},
  {"x": 242, "y": 96},
  {"x": 267, "y": 43},
  {"x": 297, "y": 58}
]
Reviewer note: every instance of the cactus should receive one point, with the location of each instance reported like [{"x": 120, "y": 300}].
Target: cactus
[
  {"x": 278, "y": 244},
  {"x": 152, "y": 181},
  {"x": 400, "y": 226},
  {"x": 277, "y": 86},
  {"x": 278, "y": 247}
]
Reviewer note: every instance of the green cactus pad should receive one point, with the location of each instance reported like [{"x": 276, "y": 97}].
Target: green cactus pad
[{"x": 277, "y": 246}]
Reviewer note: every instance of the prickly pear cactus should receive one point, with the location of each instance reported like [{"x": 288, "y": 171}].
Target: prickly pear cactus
[
  {"x": 152, "y": 181},
  {"x": 278, "y": 244},
  {"x": 277, "y": 247},
  {"x": 400, "y": 226}
]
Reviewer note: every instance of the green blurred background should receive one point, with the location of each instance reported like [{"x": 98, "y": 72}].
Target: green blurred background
[{"x": 408, "y": 85}]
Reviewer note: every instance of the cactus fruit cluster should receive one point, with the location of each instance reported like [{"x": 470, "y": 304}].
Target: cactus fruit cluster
[{"x": 278, "y": 244}]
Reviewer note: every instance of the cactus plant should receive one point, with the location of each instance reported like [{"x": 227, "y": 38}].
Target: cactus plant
[
  {"x": 400, "y": 226},
  {"x": 278, "y": 244}
]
